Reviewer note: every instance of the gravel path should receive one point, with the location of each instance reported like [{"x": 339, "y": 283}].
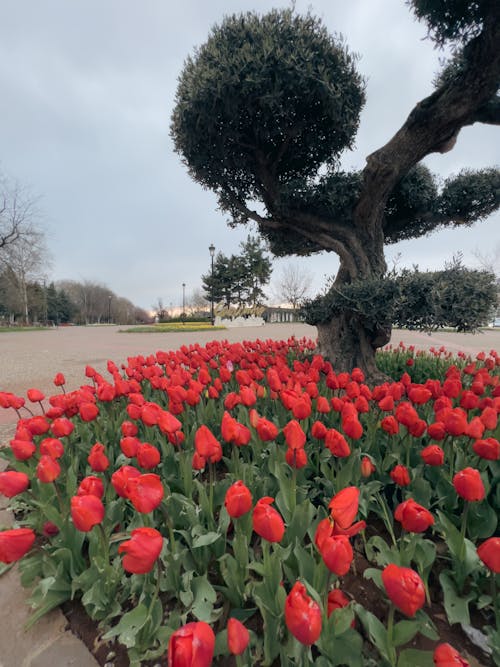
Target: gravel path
[{"x": 32, "y": 358}]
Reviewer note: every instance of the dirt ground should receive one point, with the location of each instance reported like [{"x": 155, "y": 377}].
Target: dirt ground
[{"x": 32, "y": 358}]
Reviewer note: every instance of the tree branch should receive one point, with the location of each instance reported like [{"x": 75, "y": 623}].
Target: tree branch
[
  {"x": 489, "y": 113},
  {"x": 434, "y": 121}
]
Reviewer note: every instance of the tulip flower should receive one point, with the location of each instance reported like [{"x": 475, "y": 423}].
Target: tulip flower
[
  {"x": 367, "y": 467},
  {"x": 141, "y": 551},
  {"x": 432, "y": 455},
  {"x": 22, "y": 449},
  {"x": 86, "y": 512},
  {"x": 12, "y": 483},
  {"x": 413, "y": 517},
  {"x": 192, "y": 645},
  {"x": 446, "y": 656},
  {"x": 337, "y": 554},
  {"x": 145, "y": 492},
  {"x": 148, "y": 456},
  {"x": 488, "y": 449},
  {"x": 97, "y": 459},
  {"x": 53, "y": 447},
  {"x": 400, "y": 475},
  {"x": 238, "y": 500},
  {"x": 337, "y": 600},
  {"x": 336, "y": 443},
  {"x": 266, "y": 430},
  {"x": 238, "y": 637},
  {"x": 489, "y": 553},
  {"x": 295, "y": 437},
  {"x": 15, "y": 543},
  {"x": 302, "y": 615},
  {"x": 48, "y": 469},
  {"x": 88, "y": 411},
  {"x": 296, "y": 458},
  {"x": 121, "y": 477},
  {"x": 267, "y": 522},
  {"x": 469, "y": 485},
  {"x": 344, "y": 506},
  {"x": 404, "y": 588},
  {"x": 91, "y": 485},
  {"x": 206, "y": 444}
]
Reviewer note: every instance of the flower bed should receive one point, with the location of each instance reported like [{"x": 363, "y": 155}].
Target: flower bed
[{"x": 215, "y": 501}]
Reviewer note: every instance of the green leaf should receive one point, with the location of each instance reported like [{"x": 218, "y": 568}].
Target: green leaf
[
  {"x": 375, "y": 629},
  {"x": 414, "y": 658},
  {"x": 129, "y": 625},
  {"x": 205, "y": 540},
  {"x": 456, "y": 607},
  {"x": 404, "y": 631}
]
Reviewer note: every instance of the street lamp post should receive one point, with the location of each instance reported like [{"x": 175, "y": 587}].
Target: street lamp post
[
  {"x": 183, "y": 302},
  {"x": 211, "y": 249},
  {"x": 109, "y": 309}
]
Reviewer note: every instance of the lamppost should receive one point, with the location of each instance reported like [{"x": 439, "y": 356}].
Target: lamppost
[
  {"x": 211, "y": 250},
  {"x": 109, "y": 309},
  {"x": 183, "y": 302}
]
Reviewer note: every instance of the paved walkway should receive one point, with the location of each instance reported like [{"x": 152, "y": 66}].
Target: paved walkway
[{"x": 31, "y": 359}]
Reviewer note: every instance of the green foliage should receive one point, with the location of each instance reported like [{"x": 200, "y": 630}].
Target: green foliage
[
  {"x": 275, "y": 91},
  {"x": 456, "y": 20},
  {"x": 470, "y": 196},
  {"x": 455, "y": 297},
  {"x": 239, "y": 279}
]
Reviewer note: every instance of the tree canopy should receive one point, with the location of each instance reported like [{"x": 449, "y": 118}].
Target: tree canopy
[{"x": 267, "y": 107}]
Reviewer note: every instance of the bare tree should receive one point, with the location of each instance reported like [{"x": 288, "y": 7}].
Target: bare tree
[
  {"x": 26, "y": 259},
  {"x": 293, "y": 285},
  {"x": 198, "y": 303},
  {"x": 489, "y": 261},
  {"x": 18, "y": 212}
]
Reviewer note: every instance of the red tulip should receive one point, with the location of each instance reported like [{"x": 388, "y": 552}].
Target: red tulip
[
  {"x": 266, "y": 430},
  {"x": 390, "y": 425},
  {"x": 295, "y": 437},
  {"x": 337, "y": 600},
  {"x": 432, "y": 455},
  {"x": 148, "y": 456},
  {"x": 337, "y": 554},
  {"x": 91, "y": 485},
  {"x": 59, "y": 380},
  {"x": 238, "y": 636},
  {"x": 318, "y": 430},
  {"x": 192, "y": 645},
  {"x": 446, "y": 656},
  {"x": 489, "y": 553},
  {"x": 15, "y": 543},
  {"x": 88, "y": 411},
  {"x": 488, "y": 449},
  {"x": 121, "y": 477},
  {"x": 367, "y": 467},
  {"x": 129, "y": 445},
  {"x": 35, "y": 395},
  {"x": 344, "y": 506},
  {"x": 13, "y": 482},
  {"x": 61, "y": 427},
  {"x": 296, "y": 458},
  {"x": 404, "y": 588},
  {"x": 413, "y": 517},
  {"x": 141, "y": 551},
  {"x": 302, "y": 615},
  {"x": 97, "y": 459},
  {"x": 48, "y": 469},
  {"x": 336, "y": 443},
  {"x": 207, "y": 445},
  {"x": 400, "y": 475},
  {"x": 238, "y": 500},
  {"x": 53, "y": 447},
  {"x": 469, "y": 485},
  {"x": 22, "y": 449},
  {"x": 86, "y": 512},
  {"x": 145, "y": 492},
  {"x": 267, "y": 522}
]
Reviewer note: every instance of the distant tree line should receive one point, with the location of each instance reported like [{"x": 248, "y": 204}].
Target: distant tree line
[{"x": 26, "y": 295}]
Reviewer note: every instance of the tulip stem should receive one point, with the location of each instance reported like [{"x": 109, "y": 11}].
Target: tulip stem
[
  {"x": 464, "y": 529},
  {"x": 390, "y": 628},
  {"x": 293, "y": 494},
  {"x": 211, "y": 482}
]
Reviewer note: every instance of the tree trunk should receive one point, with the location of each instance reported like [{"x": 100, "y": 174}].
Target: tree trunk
[
  {"x": 347, "y": 343},
  {"x": 348, "y": 340}
]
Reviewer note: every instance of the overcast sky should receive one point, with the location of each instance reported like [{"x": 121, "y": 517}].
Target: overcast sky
[{"x": 86, "y": 93}]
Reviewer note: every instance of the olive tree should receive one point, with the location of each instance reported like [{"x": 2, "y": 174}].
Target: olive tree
[{"x": 267, "y": 106}]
